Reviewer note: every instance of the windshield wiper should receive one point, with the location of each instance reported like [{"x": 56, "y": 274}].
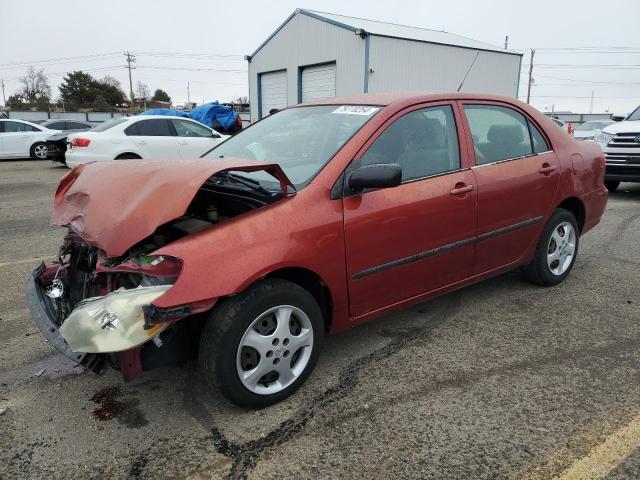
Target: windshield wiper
[{"x": 247, "y": 182}]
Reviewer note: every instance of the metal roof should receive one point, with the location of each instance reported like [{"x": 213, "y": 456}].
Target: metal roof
[{"x": 386, "y": 29}]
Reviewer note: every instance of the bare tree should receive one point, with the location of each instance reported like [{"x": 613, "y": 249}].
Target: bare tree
[
  {"x": 111, "y": 81},
  {"x": 142, "y": 91},
  {"x": 34, "y": 85},
  {"x": 242, "y": 100}
]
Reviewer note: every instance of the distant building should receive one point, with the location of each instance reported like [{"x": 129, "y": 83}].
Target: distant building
[{"x": 315, "y": 55}]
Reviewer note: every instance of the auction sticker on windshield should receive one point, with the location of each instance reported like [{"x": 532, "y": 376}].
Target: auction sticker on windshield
[{"x": 356, "y": 110}]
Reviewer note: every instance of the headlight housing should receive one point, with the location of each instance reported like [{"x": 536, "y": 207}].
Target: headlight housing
[
  {"x": 603, "y": 138},
  {"x": 112, "y": 323}
]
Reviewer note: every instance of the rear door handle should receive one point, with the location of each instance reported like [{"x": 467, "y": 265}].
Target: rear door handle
[
  {"x": 141, "y": 142},
  {"x": 546, "y": 168},
  {"x": 461, "y": 189},
  {"x": 183, "y": 142}
]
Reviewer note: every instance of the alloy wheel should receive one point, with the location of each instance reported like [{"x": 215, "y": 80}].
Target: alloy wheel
[
  {"x": 274, "y": 350},
  {"x": 40, "y": 151},
  {"x": 561, "y": 248}
]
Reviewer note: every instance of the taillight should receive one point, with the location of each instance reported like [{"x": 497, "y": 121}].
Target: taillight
[{"x": 80, "y": 142}]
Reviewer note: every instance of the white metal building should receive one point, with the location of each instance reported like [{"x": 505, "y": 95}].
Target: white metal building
[{"x": 318, "y": 55}]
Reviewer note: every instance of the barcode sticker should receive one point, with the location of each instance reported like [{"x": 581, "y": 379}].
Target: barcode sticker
[{"x": 356, "y": 110}]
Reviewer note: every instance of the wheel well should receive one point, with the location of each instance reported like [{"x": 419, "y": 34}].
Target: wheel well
[
  {"x": 575, "y": 206},
  {"x": 313, "y": 284},
  {"x": 128, "y": 155}
]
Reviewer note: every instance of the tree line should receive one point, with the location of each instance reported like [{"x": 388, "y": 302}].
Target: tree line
[{"x": 78, "y": 90}]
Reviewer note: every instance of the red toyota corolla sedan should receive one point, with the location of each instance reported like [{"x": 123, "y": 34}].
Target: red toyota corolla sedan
[{"x": 312, "y": 221}]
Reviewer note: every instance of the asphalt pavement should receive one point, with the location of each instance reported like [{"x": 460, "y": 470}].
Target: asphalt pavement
[{"x": 502, "y": 379}]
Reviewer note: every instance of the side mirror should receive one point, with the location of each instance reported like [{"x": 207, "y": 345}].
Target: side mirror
[
  {"x": 380, "y": 175},
  {"x": 618, "y": 117},
  {"x": 215, "y": 134}
]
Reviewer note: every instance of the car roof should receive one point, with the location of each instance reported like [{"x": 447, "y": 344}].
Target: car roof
[
  {"x": 51, "y": 120},
  {"x": 164, "y": 117},
  {"x": 20, "y": 121}
]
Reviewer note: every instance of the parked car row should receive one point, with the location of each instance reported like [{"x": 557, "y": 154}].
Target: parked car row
[
  {"x": 19, "y": 139},
  {"x": 195, "y": 133},
  {"x": 149, "y": 136}
]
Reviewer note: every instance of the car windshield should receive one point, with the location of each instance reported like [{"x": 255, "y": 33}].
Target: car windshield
[
  {"x": 109, "y": 124},
  {"x": 301, "y": 140},
  {"x": 589, "y": 126},
  {"x": 635, "y": 115}
]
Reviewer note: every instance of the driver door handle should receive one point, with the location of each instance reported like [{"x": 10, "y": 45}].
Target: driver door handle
[
  {"x": 546, "y": 168},
  {"x": 461, "y": 189}
]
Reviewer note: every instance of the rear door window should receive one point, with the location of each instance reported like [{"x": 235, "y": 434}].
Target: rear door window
[
  {"x": 539, "y": 143},
  {"x": 184, "y": 128},
  {"x": 77, "y": 125},
  {"x": 499, "y": 133},
  {"x": 57, "y": 126},
  {"x": 151, "y": 128}
]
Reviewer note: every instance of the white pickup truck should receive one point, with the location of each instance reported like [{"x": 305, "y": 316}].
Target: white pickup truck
[{"x": 620, "y": 143}]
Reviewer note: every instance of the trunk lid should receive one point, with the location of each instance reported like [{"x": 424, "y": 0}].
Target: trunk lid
[{"x": 114, "y": 205}]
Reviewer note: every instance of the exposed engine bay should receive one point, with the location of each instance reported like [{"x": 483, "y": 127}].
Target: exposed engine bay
[{"x": 102, "y": 306}]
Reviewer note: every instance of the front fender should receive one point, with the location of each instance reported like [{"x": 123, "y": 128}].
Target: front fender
[{"x": 229, "y": 257}]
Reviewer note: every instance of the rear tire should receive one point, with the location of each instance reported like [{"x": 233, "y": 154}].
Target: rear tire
[
  {"x": 274, "y": 329},
  {"x": 612, "y": 185},
  {"x": 38, "y": 151},
  {"x": 556, "y": 251},
  {"x": 128, "y": 156}
]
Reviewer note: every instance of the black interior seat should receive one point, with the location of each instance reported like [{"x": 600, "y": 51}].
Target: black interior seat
[{"x": 503, "y": 142}]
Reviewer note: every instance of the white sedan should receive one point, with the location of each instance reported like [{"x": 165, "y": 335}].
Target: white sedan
[
  {"x": 20, "y": 139},
  {"x": 588, "y": 130},
  {"x": 145, "y": 136}
]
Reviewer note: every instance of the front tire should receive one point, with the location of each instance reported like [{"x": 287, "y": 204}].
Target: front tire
[
  {"x": 612, "y": 185},
  {"x": 556, "y": 251},
  {"x": 260, "y": 346},
  {"x": 38, "y": 151}
]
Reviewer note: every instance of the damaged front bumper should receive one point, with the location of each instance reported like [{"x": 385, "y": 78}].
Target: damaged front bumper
[{"x": 44, "y": 315}]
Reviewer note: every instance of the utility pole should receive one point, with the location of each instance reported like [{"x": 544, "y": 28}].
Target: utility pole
[
  {"x": 591, "y": 103},
  {"x": 4, "y": 100},
  {"x": 506, "y": 42},
  {"x": 530, "y": 75},
  {"x": 130, "y": 59}
]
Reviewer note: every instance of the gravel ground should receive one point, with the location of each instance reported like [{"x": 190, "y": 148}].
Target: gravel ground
[{"x": 499, "y": 380}]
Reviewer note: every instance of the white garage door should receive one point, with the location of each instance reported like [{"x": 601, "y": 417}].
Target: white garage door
[
  {"x": 319, "y": 82},
  {"x": 273, "y": 91}
]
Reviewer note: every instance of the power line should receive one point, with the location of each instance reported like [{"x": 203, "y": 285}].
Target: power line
[
  {"x": 81, "y": 57},
  {"x": 587, "y": 81},
  {"x": 190, "y": 55},
  {"x": 194, "y": 69},
  {"x": 62, "y": 74},
  {"x": 570, "y": 96}
]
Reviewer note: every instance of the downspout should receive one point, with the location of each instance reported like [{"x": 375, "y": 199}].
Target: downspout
[{"x": 366, "y": 62}]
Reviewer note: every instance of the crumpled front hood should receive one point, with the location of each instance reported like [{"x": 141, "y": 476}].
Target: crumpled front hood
[{"x": 114, "y": 205}]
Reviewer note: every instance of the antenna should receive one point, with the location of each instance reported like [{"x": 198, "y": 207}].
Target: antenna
[{"x": 467, "y": 74}]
